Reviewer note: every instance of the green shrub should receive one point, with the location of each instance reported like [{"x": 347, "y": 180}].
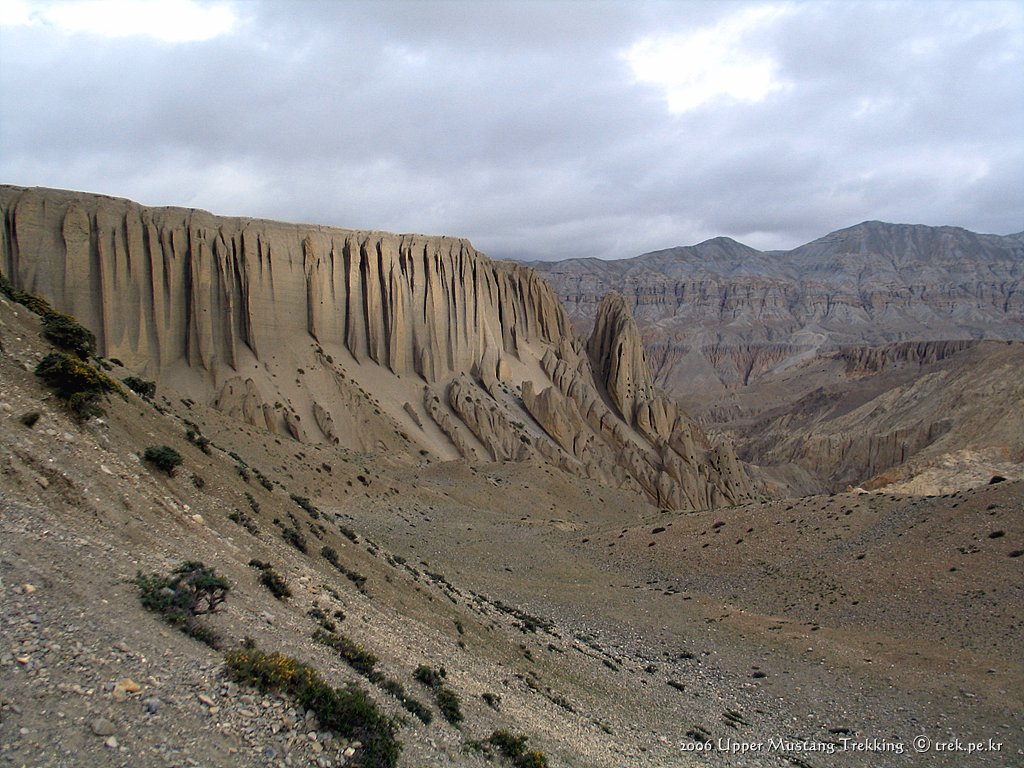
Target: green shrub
[
  {"x": 263, "y": 479},
  {"x": 294, "y": 537},
  {"x": 432, "y": 678},
  {"x": 272, "y": 580},
  {"x": 447, "y": 700},
  {"x": 164, "y": 458},
  {"x": 357, "y": 657},
  {"x": 449, "y": 704},
  {"x": 67, "y": 333},
  {"x": 418, "y": 709},
  {"x": 190, "y": 591},
  {"x": 141, "y": 387},
  {"x": 513, "y": 748},
  {"x": 197, "y": 439},
  {"x": 29, "y": 300},
  {"x": 244, "y": 520},
  {"x": 307, "y": 505},
  {"x": 331, "y": 556},
  {"x": 77, "y": 384},
  {"x": 317, "y": 614},
  {"x": 346, "y": 711},
  {"x": 396, "y": 689}
]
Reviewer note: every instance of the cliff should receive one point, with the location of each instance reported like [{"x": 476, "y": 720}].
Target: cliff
[{"x": 363, "y": 340}]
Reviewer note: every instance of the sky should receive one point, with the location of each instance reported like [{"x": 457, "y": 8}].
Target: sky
[{"x": 538, "y": 129}]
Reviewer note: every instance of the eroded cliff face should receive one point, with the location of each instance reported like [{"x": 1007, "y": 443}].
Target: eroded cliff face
[
  {"x": 167, "y": 284},
  {"x": 364, "y": 340}
]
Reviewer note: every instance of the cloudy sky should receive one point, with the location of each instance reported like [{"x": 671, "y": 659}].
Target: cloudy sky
[{"x": 537, "y": 129}]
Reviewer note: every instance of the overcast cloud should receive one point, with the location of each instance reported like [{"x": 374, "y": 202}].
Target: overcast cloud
[{"x": 539, "y": 130}]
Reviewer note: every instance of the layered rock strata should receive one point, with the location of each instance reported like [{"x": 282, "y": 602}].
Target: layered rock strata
[{"x": 369, "y": 341}]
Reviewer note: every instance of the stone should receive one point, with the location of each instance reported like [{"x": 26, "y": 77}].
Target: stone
[
  {"x": 102, "y": 727},
  {"x": 124, "y": 688}
]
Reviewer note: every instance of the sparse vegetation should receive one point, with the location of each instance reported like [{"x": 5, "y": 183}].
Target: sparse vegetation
[
  {"x": 141, "y": 387},
  {"x": 512, "y": 747},
  {"x": 272, "y": 580},
  {"x": 77, "y": 384},
  {"x": 190, "y": 591},
  {"x": 197, "y": 439},
  {"x": 294, "y": 537},
  {"x": 164, "y": 458},
  {"x": 307, "y": 505},
  {"x": 449, "y": 704},
  {"x": 357, "y": 657},
  {"x": 67, "y": 333},
  {"x": 347, "y": 711},
  {"x": 416, "y": 708},
  {"x": 447, "y": 700},
  {"x": 330, "y": 555},
  {"x": 244, "y": 520},
  {"x": 432, "y": 678}
]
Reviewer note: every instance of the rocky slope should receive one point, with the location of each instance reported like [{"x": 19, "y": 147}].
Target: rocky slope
[
  {"x": 918, "y": 417},
  {"x": 607, "y": 630},
  {"x": 720, "y": 314},
  {"x": 364, "y": 340}
]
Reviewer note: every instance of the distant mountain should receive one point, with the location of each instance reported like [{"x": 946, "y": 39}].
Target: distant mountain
[{"x": 720, "y": 314}]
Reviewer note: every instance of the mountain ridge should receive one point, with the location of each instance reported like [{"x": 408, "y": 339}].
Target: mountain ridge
[{"x": 718, "y": 315}]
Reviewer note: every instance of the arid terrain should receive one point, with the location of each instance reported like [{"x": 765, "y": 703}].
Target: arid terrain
[{"x": 618, "y": 577}]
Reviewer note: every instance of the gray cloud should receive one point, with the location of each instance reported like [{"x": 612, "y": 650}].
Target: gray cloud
[{"x": 521, "y": 125}]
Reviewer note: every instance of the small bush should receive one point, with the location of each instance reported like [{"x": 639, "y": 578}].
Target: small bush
[
  {"x": 346, "y": 711},
  {"x": 263, "y": 479},
  {"x": 307, "y": 505},
  {"x": 432, "y": 678},
  {"x": 357, "y": 657},
  {"x": 331, "y": 556},
  {"x": 449, "y": 704},
  {"x": 67, "y": 333},
  {"x": 29, "y": 419},
  {"x": 191, "y": 590},
  {"x": 272, "y": 580},
  {"x": 513, "y": 748},
  {"x": 418, "y": 709},
  {"x": 164, "y": 458},
  {"x": 294, "y": 537},
  {"x": 28, "y": 300},
  {"x": 244, "y": 520},
  {"x": 196, "y": 438},
  {"x": 141, "y": 387},
  {"x": 317, "y": 614},
  {"x": 77, "y": 384}
]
